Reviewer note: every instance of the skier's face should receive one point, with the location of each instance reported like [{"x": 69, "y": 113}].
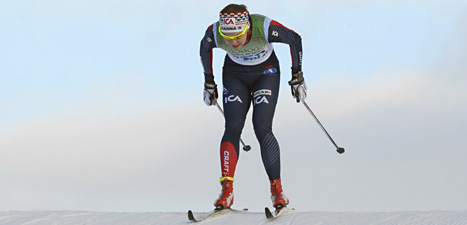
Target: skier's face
[{"x": 237, "y": 43}]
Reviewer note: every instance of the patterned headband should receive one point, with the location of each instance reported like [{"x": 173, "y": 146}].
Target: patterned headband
[{"x": 233, "y": 22}]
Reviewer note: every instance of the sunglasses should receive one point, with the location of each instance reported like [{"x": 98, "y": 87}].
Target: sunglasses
[{"x": 236, "y": 37}]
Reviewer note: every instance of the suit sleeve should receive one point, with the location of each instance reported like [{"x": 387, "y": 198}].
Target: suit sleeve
[
  {"x": 281, "y": 34},
  {"x": 206, "y": 46}
]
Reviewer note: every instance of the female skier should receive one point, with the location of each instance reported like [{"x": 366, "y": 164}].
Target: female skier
[{"x": 250, "y": 74}]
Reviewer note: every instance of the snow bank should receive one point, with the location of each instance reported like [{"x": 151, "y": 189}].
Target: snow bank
[{"x": 321, "y": 218}]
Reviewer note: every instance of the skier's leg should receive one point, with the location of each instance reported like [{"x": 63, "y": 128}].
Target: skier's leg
[
  {"x": 265, "y": 97},
  {"x": 265, "y": 94},
  {"x": 236, "y": 101}
]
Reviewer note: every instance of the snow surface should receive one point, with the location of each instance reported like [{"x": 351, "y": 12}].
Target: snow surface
[{"x": 321, "y": 218}]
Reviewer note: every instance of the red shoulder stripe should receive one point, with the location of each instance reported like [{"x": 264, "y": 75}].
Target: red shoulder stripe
[{"x": 273, "y": 22}]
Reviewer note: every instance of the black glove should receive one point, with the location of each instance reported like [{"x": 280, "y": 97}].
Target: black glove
[
  {"x": 210, "y": 92},
  {"x": 298, "y": 86}
]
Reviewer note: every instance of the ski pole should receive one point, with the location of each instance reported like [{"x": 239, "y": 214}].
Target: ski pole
[
  {"x": 246, "y": 148},
  {"x": 340, "y": 150}
]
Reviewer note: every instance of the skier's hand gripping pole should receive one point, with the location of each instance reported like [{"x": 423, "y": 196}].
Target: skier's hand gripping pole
[
  {"x": 210, "y": 92},
  {"x": 340, "y": 150},
  {"x": 246, "y": 148},
  {"x": 298, "y": 86}
]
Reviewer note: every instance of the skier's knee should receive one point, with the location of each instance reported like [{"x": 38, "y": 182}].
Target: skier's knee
[{"x": 262, "y": 131}]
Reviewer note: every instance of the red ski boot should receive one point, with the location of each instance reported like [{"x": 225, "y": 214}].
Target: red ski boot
[
  {"x": 279, "y": 200},
  {"x": 226, "y": 197}
]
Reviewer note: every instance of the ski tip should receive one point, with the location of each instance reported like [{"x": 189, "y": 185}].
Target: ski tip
[
  {"x": 190, "y": 216},
  {"x": 268, "y": 213}
]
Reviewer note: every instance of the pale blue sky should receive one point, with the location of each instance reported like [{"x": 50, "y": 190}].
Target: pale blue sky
[
  {"x": 55, "y": 50},
  {"x": 102, "y": 99}
]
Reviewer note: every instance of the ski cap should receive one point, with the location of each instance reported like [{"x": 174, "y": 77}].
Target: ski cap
[{"x": 233, "y": 22}]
